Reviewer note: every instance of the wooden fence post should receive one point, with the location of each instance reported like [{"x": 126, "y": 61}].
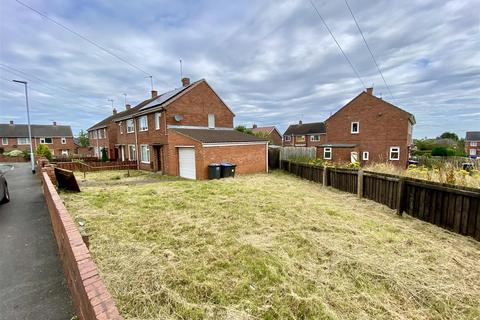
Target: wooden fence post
[
  {"x": 360, "y": 183},
  {"x": 325, "y": 176},
  {"x": 400, "y": 195}
]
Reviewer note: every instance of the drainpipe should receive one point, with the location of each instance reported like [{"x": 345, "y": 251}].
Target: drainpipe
[
  {"x": 266, "y": 156},
  {"x": 136, "y": 142}
]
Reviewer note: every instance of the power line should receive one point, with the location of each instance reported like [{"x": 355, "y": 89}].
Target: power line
[
  {"x": 338, "y": 44},
  {"x": 83, "y": 37},
  {"x": 368, "y": 47}
]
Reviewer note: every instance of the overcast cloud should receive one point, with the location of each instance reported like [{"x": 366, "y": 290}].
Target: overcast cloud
[{"x": 272, "y": 62}]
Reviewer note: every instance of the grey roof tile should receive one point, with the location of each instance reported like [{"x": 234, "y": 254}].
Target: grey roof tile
[
  {"x": 38, "y": 130},
  {"x": 219, "y": 136}
]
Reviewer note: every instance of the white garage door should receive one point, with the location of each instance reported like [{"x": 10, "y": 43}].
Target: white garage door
[{"x": 186, "y": 159}]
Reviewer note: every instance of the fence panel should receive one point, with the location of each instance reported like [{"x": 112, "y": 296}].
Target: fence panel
[
  {"x": 343, "y": 179},
  {"x": 381, "y": 188},
  {"x": 298, "y": 152}
]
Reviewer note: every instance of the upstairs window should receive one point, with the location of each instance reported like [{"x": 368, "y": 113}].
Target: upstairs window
[
  {"x": 157, "y": 120},
  {"x": 64, "y": 140},
  {"x": 287, "y": 138},
  {"x": 327, "y": 153},
  {"x": 355, "y": 127},
  {"x": 94, "y": 132},
  {"x": 211, "y": 121},
  {"x": 45, "y": 140},
  {"x": 23, "y": 141},
  {"x": 473, "y": 143},
  {"x": 120, "y": 127},
  {"x": 143, "y": 123},
  {"x": 130, "y": 127},
  {"x": 300, "y": 138},
  {"x": 315, "y": 138},
  {"x": 394, "y": 153},
  {"x": 4, "y": 141}
]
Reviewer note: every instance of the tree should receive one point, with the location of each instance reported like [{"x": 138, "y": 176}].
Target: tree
[
  {"x": 44, "y": 151},
  {"x": 449, "y": 135},
  {"x": 264, "y": 135},
  {"x": 243, "y": 129},
  {"x": 104, "y": 154},
  {"x": 83, "y": 139}
]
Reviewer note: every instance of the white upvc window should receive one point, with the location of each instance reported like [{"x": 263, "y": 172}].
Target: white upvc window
[
  {"x": 300, "y": 138},
  {"x": 211, "y": 121},
  {"x": 143, "y": 123},
  {"x": 4, "y": 141},
  {"x": 287, "y": 138},
  {"x": 130, "y": 127},
  {"x": 355, "y": 127},
  {"x": 46, "y": 140},
  {"x": 99, "y": 133},
  {"x": 64, "y": 140},
  {"x": 365, "y": 155},
  {"x": 157, "y": 120},
  {"x": 473, "y": 152},
  {"x": 144, "y": 153},
  {"x": 394, "y": 153},
  {"x": 120, "y": 127},
  {"x": 315, "y": 137},
  {"x": 132, "y": 155},
  {"x": 23, "y": 140},
  {"x": 95, "y": 134},
  {"x": 64, "y": 152},
  {"x": 473, "y": 143},
  {"x": 327, "y": 153}
]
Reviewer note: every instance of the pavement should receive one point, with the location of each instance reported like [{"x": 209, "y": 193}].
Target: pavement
[{"x": 32, "y": 284}]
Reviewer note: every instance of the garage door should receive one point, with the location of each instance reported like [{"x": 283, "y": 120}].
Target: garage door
[{"x": 186, "y": 159}]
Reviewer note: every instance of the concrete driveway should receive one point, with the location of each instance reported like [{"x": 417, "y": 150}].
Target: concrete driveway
[{"x": 32, "y": 285}]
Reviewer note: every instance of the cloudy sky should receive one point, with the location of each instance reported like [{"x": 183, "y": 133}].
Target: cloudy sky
[{"x": 273, "y": 62}]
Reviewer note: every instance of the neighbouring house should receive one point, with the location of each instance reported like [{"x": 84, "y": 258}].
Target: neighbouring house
[
  {"x": 182, "y": 131},
  {"x": 472, "y": 144},
  {"x": 58, "y": 138},
  {"x": 82, "y": 151},
  {"x": 269, "y": 132},
  {"x": 304, "y": 135}
]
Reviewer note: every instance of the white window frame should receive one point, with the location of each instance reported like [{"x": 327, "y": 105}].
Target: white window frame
[
  {"x": 147, "y": 147},
  {"x": 143, "y": 126},
  {"x": 312, "y": 138},
  {"x": 358, "y": 127},
  {"x": 473, "y": 143},
  {"x": 297, "y": 140},
  {"x": 287, "y": 138},
  {"x": 95, "y": 134},
  {"x": 329, "y": 150},
  {"x": 42, "y": 140},
  {"x": 64, "y": 140},
  {"x": 4, "y": 141},
  {"x": 23, "y": 141},
  {"x": 120, "y": 127},
  {"x": 158, "y": 116},
  {"x": 392, "y": 150},
  {"x": 132, "y": 152},
  {"x": 473, "y": 152},
  {"x": 211, "y": 121},
  {"x": 132, "y": 126},
  {"x": 65, "y": 152},
  {"x": 365, "y": 155}
]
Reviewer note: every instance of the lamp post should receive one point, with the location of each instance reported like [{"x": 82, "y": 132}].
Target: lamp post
[{"x": 32, "y": 161}]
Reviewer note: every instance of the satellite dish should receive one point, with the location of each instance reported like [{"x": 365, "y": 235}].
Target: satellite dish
[{"x": 178, "y": 118}]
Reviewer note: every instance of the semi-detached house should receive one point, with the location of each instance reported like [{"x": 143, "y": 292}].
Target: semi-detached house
[
  {"x": 182, "y": 131},
  {"x": 472, "y": 144}
]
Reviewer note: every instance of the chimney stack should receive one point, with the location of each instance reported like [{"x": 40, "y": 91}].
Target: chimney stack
[
  {"x": 300, "y": 122},
  {"x": 185, "y": 82},
  {"x": 128, "y": 106},
  {"x": 370, "y": 90},
  {"x": 154, "y": 93},
  {"x": 254, "y": 126},
  {"x": 114, "y": 110},
  {"x": 11, "y": 122},
  {"x": 54, "y": 123}
]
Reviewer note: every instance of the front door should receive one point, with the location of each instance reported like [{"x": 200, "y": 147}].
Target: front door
[
  {"x": 353, "y": 157},
  {"x": 159, "y": 158}
]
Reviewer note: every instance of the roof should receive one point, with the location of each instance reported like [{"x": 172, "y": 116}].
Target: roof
[
  {"x": 38, "y": 130},
  {"x": 472, "y": 136},
  {"x": 267, "y": 130},
  {"x": 306, "y": 128},
  {"x": 219, "y": 136}
]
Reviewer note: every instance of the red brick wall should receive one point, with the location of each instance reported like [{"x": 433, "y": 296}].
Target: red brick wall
[
  {"x": 56, "y": 146},
  {"x": 90, "y": 296},
  {"x": 381, "y": 127}
]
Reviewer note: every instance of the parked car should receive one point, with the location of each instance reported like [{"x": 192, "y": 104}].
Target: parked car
[{"x": 4, "y": 194}]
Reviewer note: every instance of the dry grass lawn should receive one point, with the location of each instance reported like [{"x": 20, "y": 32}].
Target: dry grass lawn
[{"x": 269, "y": 246}]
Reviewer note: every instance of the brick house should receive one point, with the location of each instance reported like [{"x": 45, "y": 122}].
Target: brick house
[
  {"x": 472, "y": 144},
  {"x": 58, "y": 138},
  {"x": 183, "y": 130},
  {"x": 270, "y": 132},
  {"x": 304, "y": 135}
]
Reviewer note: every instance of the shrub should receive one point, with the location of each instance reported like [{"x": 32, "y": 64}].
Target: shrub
[
  {"x": 44, "y": 151},
  {"x": 14, "y": 153},
  {"x": 443, "y": 152}
]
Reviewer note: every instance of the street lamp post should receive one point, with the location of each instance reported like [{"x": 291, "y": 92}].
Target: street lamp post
[{"x": 32, "y": 160}]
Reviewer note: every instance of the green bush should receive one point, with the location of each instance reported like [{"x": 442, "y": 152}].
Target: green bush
[
  {"x": 443, "y": 152},
  {"x": 44, "y": 151},
  {"x": 14, "y": 153}
]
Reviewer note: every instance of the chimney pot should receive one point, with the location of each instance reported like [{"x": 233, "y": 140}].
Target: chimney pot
[
  {"x": 185, "y": 82},
  {"x": 370, "y": 90},
  {"x": 54, "y": 123},
  {"x": 300, "y": 122},
  {"x": 128, "y": 106},
  {"x": 11, "y": 122},
  {"x": 114, "y": 110},
  {"x": 154, "y": 93},
  {"x": 254, "y": 126}
]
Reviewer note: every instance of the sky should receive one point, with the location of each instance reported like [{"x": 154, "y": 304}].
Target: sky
[{"x": 272, "y": 62}]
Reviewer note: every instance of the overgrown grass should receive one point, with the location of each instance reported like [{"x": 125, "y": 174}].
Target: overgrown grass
[{"x": 269, "y": 246}]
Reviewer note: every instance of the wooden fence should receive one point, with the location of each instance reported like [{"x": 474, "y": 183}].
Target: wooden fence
[
  {"x": 97, "y": 166},
  {"x": 287, "y": 153},
  {"x": 451, "y": 207}
]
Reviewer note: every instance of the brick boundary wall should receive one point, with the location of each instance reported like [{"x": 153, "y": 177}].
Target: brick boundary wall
[
  {"x": 12, "y": 159},
  {"x": 97, "y": 166},
  {"x": 90, "y": 297}
]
